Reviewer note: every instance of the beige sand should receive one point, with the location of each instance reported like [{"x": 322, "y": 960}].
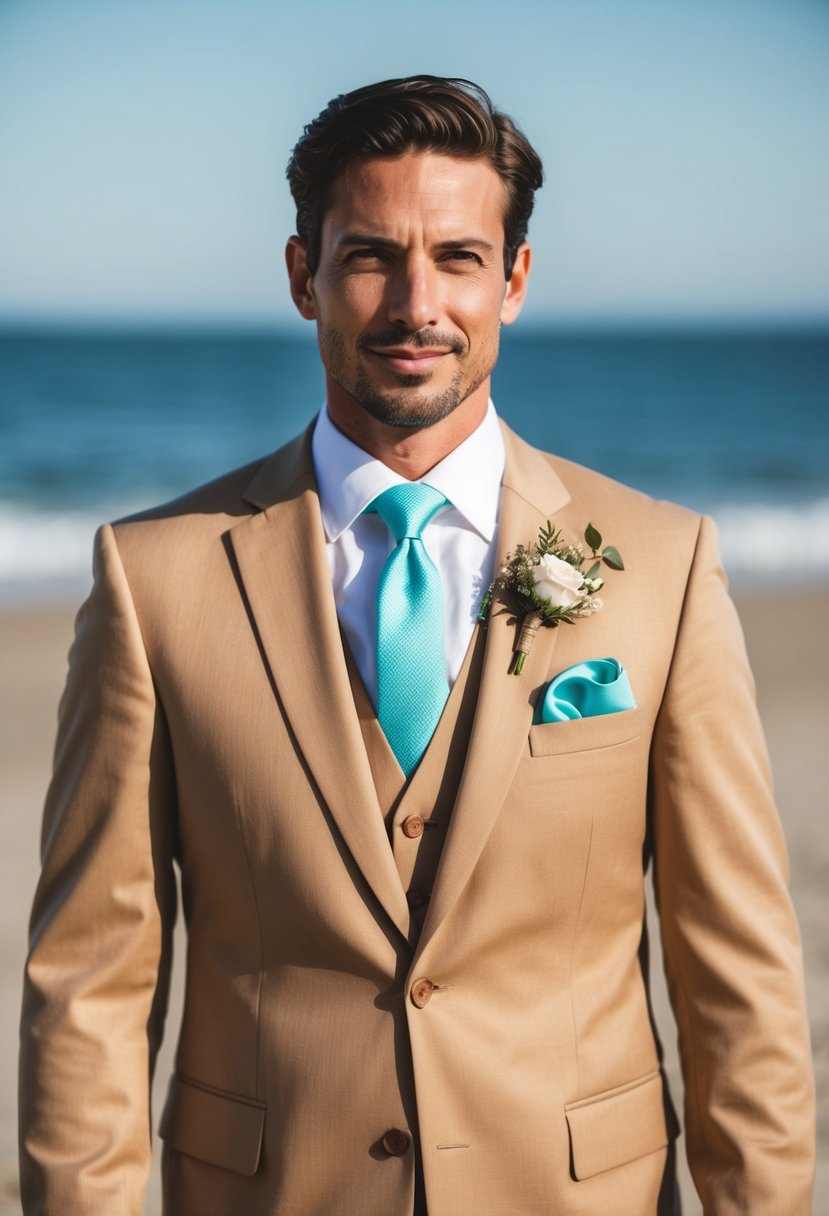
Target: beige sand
[{"x": 787, "y": 644}]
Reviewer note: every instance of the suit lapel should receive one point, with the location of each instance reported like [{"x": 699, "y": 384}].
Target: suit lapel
[
  {"x": 531, "y": 494},
  {"x": 284, "y": 570},
  {"x": 283, "y": 566}
]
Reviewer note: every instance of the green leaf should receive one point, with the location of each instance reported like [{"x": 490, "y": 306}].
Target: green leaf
[
  {"x": 594, "y": 570},
  {"x": 612, "y": 558},
  {"x": 547, "y": 538},
  {"x": 593, "y": 538}
]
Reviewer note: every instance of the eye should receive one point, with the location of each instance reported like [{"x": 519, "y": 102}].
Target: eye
[
  {"x": 463, "y": 255},
  {"x": 367, "y": 255}
]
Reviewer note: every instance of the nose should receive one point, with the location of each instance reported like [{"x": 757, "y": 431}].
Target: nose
[{"x": 412, "y": 295}]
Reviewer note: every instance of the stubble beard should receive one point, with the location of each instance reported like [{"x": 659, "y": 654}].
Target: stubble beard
[{"x": 401, "y": 407}]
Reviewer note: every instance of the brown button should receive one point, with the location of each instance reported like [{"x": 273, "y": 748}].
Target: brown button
[
  {"x": 421, "y": 992},
  {"x": 395, "y": 1142},
  {"x": 413, "y": 826},
  {"x": 416, "y": 900}
]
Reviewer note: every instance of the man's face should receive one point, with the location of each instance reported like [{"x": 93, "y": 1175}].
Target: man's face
[{"x": 410, "y": 291}]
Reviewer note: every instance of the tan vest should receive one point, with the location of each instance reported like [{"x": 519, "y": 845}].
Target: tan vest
[{"x": 417, "y": 810}]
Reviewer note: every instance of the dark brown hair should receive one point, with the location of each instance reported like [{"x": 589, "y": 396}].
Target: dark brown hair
[{"x": 414, "y": 113}]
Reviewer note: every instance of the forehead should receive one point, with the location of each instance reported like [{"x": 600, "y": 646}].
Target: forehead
[{"x": 450, "y": 195}]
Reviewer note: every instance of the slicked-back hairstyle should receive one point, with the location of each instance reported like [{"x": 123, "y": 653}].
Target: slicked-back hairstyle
[{"x": 412, "y": 114}]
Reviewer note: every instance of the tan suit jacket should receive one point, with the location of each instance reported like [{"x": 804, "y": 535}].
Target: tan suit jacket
[{"x": 209, "y": 719}]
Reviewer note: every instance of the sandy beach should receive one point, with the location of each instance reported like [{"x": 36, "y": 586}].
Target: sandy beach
[{"x": 790, "y": 656}]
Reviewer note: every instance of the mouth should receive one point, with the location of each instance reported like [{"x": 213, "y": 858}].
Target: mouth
[{"x": 409, "y": 360}]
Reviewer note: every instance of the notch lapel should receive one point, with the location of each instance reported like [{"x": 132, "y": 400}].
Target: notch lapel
[
  {"x": 532, "y": 492},
  {"x": 283, "y": 566}
]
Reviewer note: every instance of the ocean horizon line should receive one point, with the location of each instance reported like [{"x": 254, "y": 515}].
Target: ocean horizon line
[{"x": 704, "y": 329}]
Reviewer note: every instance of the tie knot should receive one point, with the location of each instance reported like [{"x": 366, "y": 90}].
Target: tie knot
[{"x": 407, "y": 508}]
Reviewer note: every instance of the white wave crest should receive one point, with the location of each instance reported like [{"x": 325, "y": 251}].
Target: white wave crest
[
  {"x": 45, "y": 553},
  {"x": 45, "y": 546},
  {"x": 756, "y": 539}
]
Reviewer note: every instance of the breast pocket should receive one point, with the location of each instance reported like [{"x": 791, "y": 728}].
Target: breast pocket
[
  {"x": 586, "y": 734},
  {"x": 578, "y": 800}
]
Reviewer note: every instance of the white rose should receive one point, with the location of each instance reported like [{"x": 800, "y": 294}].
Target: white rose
[{"x": 558, "y": 582}]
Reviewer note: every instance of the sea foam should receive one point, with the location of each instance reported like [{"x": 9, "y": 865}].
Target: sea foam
[
  {"x": 49, "y": 555},
  {"x": 767, "y": 543}
]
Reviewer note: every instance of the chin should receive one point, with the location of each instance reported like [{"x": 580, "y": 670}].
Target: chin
[
  {"x": 409, "y": 409},
  {"x": 409, "y": 406}
]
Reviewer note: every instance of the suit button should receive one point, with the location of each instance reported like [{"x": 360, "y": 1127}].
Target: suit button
[
  {"x": 416, "y": 900},
  {"x": 413, "y": 826},
  {"x": 421, "y": 993},
  {"x": 395, "y": 1142}
]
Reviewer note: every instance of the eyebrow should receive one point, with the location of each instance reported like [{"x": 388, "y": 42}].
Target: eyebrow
[{"x": 366, "y": 238}]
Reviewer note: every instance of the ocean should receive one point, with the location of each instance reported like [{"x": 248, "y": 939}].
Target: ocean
[{"x": 93, "y": 426}]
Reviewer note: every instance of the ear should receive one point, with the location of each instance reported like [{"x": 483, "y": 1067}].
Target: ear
[
  {"x": 516, "y": 291},
  {"x": 300, "y": 278}
]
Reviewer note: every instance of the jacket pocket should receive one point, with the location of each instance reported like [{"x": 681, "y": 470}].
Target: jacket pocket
[
  {"x": 584, "y": 734},
  {"x": 213, "y": 1125},
  {"x": 617, "y": 1126}
]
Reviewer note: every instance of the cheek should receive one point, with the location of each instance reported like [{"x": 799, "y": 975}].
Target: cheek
[
  {"x": 349, "y": 303},
  {"x": 477, "y": 298},
  {"x": 462, "y": 313},
  {"x": 479, "y": 312}
]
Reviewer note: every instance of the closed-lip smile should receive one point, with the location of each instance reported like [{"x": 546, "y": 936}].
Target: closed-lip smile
[{"x": 407, "y": 358}]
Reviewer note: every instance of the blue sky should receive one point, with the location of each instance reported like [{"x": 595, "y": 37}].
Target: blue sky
[{"x": 142, "y": 149}]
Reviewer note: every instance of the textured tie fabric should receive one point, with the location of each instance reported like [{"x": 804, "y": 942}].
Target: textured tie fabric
[{"x": 411, "y": 662}]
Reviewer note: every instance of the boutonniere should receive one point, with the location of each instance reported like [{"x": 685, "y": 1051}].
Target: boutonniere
[{"x": 549, "y": 584}]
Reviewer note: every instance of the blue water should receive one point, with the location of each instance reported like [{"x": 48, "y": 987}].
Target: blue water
[{"x": 92, "y": 426}]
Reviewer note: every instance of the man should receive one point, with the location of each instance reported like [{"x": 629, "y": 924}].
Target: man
[{"x": 415, "y": 913}]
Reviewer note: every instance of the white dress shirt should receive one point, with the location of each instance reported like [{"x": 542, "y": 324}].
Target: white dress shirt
[{"x": 460, "y": 538}]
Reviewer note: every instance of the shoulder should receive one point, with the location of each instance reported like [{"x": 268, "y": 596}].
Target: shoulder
[
  {"x": 186, "y": 539},
  {"x": 633, "y": 506},
  {"x": 220, "y": 503},
  {"x": 221, "y": 496},
  {"x": 609, "y": 500},
  {"x": 661, "y": 543}
]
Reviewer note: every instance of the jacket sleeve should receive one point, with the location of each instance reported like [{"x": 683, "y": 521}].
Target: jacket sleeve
[
  {"x": 95, "y": 989},
  {"x": 730, "y": 939}
]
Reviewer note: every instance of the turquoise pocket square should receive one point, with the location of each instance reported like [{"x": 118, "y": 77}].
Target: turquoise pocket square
[{"x": 597, "y": 686}]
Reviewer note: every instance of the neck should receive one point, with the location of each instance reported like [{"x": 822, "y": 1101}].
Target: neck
[{"x": 409, "y": 451}]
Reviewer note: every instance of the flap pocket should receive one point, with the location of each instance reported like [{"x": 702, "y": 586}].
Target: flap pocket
[
  {"x": 583, "y": 734},
  {"x": 617, "y": 1126},
  {"x": 213, "y": 1125}
]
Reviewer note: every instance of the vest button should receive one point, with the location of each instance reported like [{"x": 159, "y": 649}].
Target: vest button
[
  {"x": 413, "y": 826},
  {"x": 416, "y": 900},
  {"x": 395, "y": 1142},
  {"x": 421, "y": 993}
]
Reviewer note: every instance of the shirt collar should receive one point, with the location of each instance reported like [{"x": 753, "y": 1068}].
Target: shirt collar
[{"x": 348, "y": 478}]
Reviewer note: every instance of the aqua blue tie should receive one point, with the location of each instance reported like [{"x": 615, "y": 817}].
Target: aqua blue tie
[{"x": 411, "y": 653}]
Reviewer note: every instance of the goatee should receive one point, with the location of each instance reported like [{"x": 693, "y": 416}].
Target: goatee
[{"x": 399, "y": 407}]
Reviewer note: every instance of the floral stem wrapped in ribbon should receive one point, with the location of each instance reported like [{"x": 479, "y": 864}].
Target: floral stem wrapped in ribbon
[{"x": 549, "y": 583}]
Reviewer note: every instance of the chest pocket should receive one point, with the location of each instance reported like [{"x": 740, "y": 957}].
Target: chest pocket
[{"x": 586, "y": 734}]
